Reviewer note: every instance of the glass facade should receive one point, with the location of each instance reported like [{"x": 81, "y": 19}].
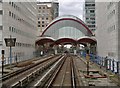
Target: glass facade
[{"x": 66, "y": 26}]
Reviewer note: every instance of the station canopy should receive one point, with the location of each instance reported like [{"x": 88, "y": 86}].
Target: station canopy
[{"x": 66, "y": 29}]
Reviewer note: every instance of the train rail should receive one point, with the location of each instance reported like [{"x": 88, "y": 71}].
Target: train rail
[
  {"x": 61, "y": 74},
  {"x": 11, "y": 74},
  {"x": 25, "y": 76}
]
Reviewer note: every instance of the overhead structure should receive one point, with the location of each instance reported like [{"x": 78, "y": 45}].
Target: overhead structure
[
  {"x": 67, "y": 29},
  {"x": 87, "y": 39},
  {"x": 43, "y": 40}
]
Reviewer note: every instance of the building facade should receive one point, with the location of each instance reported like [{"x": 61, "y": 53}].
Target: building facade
[
  {"x": 47, "y": 11},
  {"x": 18, "y": 20},
  {"x": 107, "y": 33},
  {"x": 89, "y": 14}
]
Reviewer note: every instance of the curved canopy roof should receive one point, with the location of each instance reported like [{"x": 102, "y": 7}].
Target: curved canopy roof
[
  {"x": 82, "y": 40},
  {"x": 66, "y": 29},
  {"x": 86, "y": 39},
  {"x": 66, "y": 22},
  {"x": 44, "y": 40},
  {"x": 65, "y": 41}
]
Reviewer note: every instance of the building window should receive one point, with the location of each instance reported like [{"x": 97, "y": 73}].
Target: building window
[
  {"x": 39, "y": 7},
  {"x": 42, "y": 22},
  {"x": 92, "y": 11},
  {"x": 93, "y": 4},
  {"x": 42, "y": 25},
  {"x": 38, "y": 25},
  {"x": 1, "y": 27},
  {"x": 38, "y": 22},
  {"x": 12, "y": 3},
  {"x": 43, "y": 7},
  {"x": 46, "y": 18},
  {"x": 12, "y": 14},
  {"x": 9, "y": 13},
  {"x": 1, "y": 12},
  {"x": 92, "y": 18},
  {"x": 9, "y": 28}
]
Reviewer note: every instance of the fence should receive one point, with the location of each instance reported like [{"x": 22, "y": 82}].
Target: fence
[
  {"x": 105, "y": 62},
  {"x": 16, "y": 59}
]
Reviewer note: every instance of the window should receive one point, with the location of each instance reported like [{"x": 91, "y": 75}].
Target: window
[
  {"x": 38, "y": 22},
  {"x": 38, "y": 25},
  {"x": 42, "y": 22},
  {"x": 9, "y": 28},
  {"x": 87, "y": 18},
  {"x": 42, "y": 25},
  {"x": 92, "y": 11},
  {"x": 39, "y": 7},
  {"x": 43, "y": 7},
  {"x": 9, "y": 13},
  {"x": 1, "y": 27},
  {"x": 93, "y": 4},
  {"x": 12, "y": 3},
  {"x": 46, "y": 18},
  {"x": 92, "y": 18},
  {"x": 1, "y": 12},
  {"x": 12, "y": 14}
]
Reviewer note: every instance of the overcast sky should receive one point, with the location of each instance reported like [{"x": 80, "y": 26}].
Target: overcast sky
[{"x": 70, "y": 7}]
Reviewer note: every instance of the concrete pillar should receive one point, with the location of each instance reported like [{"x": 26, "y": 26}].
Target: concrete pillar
[
  {"x": 75, "y": 52},
  {"x": 55, "y": 51},
  {"x": 75, "y": 49}
]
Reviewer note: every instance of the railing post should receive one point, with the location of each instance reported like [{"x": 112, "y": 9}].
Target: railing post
[
  {"x": 118, "y": 67},
  {"x": 113, "y": 65},
  {"x": 109, "y": 64}
]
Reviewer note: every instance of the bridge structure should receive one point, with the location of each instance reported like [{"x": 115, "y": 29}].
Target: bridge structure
[{"x": 66, "y": 30}]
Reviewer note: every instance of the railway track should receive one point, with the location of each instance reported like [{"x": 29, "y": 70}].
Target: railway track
[
  {"x": 62, "y": 74},
  {"x": 59, "y": 71},
  {"x": 25, "y": 76}
]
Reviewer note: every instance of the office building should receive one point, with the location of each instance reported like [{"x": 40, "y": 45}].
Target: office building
[
  {"x": 18, "y": 20},
  {"x": 89, "y": 14},
  {"x": 47, "y": 11},
  {"x": 107, "y": 32}
]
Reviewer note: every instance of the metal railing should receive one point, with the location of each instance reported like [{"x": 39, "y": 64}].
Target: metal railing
[
  {"x": 110, "y": 64},
  {"x": 16, "y": 59}
]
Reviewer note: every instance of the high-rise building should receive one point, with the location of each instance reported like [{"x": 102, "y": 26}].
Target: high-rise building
[
  {"x": 47, "y": 11},
  {"x": 18, "y": 20},
  {"x": 89, "y": 14},
  {"x": 107, "y": 32}
]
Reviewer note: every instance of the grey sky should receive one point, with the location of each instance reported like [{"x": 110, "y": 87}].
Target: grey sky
[{"x": 70, "y": 7}]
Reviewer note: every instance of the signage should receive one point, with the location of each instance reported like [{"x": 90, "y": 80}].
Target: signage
[{"x": 10, "y": 42}]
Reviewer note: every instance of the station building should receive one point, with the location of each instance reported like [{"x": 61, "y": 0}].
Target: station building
[{"x": 66, "y": 29}]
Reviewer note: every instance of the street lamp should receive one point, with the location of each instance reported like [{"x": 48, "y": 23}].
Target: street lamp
[{"x": 10, "y": 42}]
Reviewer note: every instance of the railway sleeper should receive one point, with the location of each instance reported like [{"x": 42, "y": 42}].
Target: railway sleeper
[{"x": 31, "y": 77}]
